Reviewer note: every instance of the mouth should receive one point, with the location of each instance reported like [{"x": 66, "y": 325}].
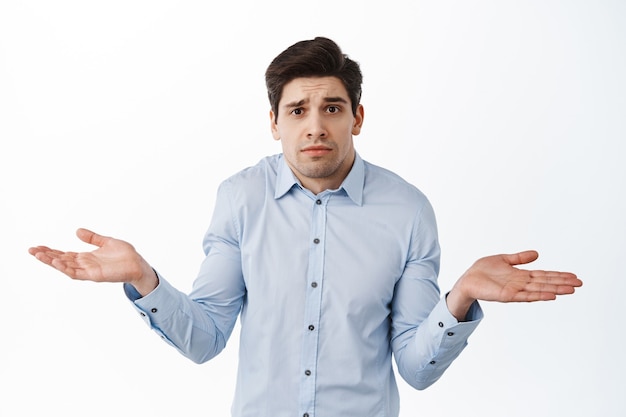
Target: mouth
[{"x": 316, "y": 150}]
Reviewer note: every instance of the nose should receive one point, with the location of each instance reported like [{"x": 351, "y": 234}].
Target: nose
[{"x": 316, "y": 127}]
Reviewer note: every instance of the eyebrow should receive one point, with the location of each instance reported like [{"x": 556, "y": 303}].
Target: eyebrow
[{"x": 326, "y": 100}]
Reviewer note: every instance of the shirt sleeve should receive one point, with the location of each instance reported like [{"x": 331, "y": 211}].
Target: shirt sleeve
[
  {"x": 426, "y": 337},
  {"x": 198, "y": 325}
]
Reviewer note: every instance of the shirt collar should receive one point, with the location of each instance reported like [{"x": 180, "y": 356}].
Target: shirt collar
[
  {"x": 355, "y": 181},
  {"x": 352, "y": 184}
]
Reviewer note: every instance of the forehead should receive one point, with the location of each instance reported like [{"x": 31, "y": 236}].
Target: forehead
[{"x": 306, "y": 87}]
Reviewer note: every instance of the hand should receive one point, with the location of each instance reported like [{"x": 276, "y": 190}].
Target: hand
[
  {"x": 113, "y": 261},
  {"x": 494, "y": 278}
]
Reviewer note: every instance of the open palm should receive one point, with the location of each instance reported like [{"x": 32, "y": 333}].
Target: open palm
[
  {"x": 114, "y": 261},
  {"x": 495, "y": 278}
]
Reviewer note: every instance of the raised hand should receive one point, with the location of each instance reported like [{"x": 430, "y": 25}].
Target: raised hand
[
  {"x": 113, "y": 261},
  {"x": 495, "y": 278}
]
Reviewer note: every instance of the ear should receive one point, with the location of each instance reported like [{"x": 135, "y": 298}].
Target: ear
[
  {"x": 358, "y": 120},
  {"x": 274, "y": 126}
]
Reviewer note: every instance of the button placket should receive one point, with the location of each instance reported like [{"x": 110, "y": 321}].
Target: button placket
[{"x": 313, "y": 302}]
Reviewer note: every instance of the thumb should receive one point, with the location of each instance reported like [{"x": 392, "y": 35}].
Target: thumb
[
  {"x": 521, "y": 257},
  {"x": 90, "y": 237}
]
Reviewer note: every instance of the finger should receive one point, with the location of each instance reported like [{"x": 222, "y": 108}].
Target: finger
[
  {"x": 68, "y": 268},
  {"x": 90, "y": 237},
  {"x": 520, "y": 258},
  {"x": 556, "y": 278},
  {"x": 45, "y": 254},
  {"x": 557, "y": 289},
  {"x": 41, "y": 255},
  {"x": 36, "y": 249},
  {"x": 75, "y": 265},
  {"x": 58, "y": 260},
  {"x": 530, "y": 297}
]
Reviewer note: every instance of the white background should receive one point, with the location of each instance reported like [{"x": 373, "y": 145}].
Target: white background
[{"x": 123, "y": 117}]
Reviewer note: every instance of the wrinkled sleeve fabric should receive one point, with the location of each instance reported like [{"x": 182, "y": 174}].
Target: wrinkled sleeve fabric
[
  {"x": 198, "y": 325},
  {"x": 426, "y": 338}
]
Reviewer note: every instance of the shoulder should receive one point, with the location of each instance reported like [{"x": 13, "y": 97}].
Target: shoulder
[
  {"x": 267, "y": 165},
  {"x": 252, "y": 180},
  {"x": 385, "y": 184}
]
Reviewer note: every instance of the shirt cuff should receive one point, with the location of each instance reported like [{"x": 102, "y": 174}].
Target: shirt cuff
[
  {"x": 156, "y": 306},
  {"x": 443, "y": 322}
]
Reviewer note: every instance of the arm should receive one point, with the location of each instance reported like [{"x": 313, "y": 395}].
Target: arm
[
  {"x": 428, "y": 335},
  {"x": 438, "y": 338},
  {"x": 199, "y": 324}
]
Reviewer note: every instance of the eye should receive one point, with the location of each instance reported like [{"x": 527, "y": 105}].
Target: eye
[
  {"x": 333, "y": 109},
  {"x": 297, "y": 111}
]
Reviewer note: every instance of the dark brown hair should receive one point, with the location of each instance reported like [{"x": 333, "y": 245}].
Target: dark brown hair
[{"x": 320, "y": 57}]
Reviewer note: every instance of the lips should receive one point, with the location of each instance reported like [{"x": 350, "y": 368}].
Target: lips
[{"x": 316, "y": 150}]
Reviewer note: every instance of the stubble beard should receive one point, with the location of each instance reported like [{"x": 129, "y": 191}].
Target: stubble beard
[{"x": 318, "y": 168}]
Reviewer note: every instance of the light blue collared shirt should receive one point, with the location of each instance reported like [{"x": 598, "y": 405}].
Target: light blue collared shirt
[{"x": 328, "y": 287}]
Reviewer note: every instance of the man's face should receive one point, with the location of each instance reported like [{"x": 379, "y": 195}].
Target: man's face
[{"x": 315, "y": 125}]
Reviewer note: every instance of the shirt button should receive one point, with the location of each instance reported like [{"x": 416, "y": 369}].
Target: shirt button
[
  {"x": 314, "y": 284},
  {"x": 305, "y": 415},
  {"x": 143, "y": 314},
  {"x": 307, "y": 372},
  {"x": 154, "y": 310},
  {"x": 433, "y": 362},
  {"x": 318, "y": 202},
  {"x": 316, "y": 241},
  {"x": 450, "y": 333},
  {"x": 440, "y": 324},
  {"x": 311, "y": 327}
]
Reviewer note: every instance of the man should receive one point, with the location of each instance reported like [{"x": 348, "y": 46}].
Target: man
[{"x": 332, "y": 263}]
